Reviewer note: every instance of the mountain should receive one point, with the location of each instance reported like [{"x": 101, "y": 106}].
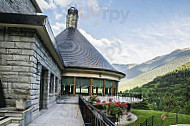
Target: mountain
[
  {"x": 123, "y": 67},
  {"x": 146, "y": 72},
  {"x": 170, "y": 92}
]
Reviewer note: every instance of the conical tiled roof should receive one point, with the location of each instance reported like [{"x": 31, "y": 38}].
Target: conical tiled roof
[{"x": 76, "y": 51}]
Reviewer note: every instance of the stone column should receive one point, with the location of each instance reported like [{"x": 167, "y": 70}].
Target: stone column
[{"x": 74, "y": 85}]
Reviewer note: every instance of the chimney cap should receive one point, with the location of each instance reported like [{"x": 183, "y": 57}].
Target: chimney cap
[{"x": 73, "y": 10}]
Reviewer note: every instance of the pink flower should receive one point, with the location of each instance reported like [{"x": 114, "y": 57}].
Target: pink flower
[
  {"x": 117, "y": 104},
  {"x": 98, "y": 101},
  {"x": 110, "y": 99},
  {"x": 124, "y": 105},
  {"x": 108, "y": 104},
  {"x": 104, "y": 102}
]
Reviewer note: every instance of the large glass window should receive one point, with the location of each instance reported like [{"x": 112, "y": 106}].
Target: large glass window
[
  {"x": 98, "y": 86},
  {"x": 67, "y": 85},
  {"x": 82, "y": 85}
]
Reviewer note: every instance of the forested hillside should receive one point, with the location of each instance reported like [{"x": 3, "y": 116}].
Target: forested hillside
[
  {"x": 143, "y": 73},
  {"x": 170, "y": 92}
]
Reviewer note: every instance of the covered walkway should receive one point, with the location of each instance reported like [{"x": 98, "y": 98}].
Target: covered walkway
[{"x": 61, "y": 115}]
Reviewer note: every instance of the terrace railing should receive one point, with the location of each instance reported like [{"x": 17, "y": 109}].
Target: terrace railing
[
  {"x": 131, "y": 96},
  {"x": 148, "y": 122},
  {"x": 92, "y": 116}
]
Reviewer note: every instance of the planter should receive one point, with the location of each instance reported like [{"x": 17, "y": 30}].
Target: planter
[
  {"x": 129, "y": 117},
  {"x": 23, "y": 105}
]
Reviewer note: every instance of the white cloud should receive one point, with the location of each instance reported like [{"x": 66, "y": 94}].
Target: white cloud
[
  {"x": 158, "y": 39},
  {"x": 110, "y": 49},
  {"x": 58, "y": 15},
  {"x": 143, "y": 44},
  {"x": 52, "y": 4},
  {"x": 58, "y": 27},
  {"x": 63, "y": 3},
  {"x": 46, "y": 5}
]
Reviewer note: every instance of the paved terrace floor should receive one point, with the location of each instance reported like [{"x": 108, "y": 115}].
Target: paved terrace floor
[{"x": 62, "y": 114}]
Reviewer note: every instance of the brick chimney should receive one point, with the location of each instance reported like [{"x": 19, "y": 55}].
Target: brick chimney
[{"x": 72, "y": 18}]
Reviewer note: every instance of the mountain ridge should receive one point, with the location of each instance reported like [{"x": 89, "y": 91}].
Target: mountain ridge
[{"x": 158, "y": 66}]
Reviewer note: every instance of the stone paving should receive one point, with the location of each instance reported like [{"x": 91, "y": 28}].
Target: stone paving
[{"x": 60, "y": 115}]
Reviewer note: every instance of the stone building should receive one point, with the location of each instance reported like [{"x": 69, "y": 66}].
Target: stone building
[{"x": 36, "y": 67}]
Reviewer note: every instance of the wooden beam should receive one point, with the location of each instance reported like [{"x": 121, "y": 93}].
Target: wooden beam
[
  {"x": 112, "y": 91},
  {"x": 104, "y": 87},
  {"x": 91, "y": 82},
  {"x": 74, "y": 85}
]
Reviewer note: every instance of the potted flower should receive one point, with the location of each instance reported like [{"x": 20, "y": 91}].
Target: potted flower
[
  {"x": 114, "y": 110},
  {"x": 93, "y": 98}
]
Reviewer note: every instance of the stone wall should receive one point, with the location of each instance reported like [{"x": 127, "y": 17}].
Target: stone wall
[
  {"x": 42, "y": 57},
  {"x": 22, "y": 58},
  {"x": 17, "y": 6}
]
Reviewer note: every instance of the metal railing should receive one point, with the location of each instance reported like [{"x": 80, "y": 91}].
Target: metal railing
[
  {"x": 148, "y": 122},
  {"x": 92, "y": 116},
  {"x": 155, "y": 122}
]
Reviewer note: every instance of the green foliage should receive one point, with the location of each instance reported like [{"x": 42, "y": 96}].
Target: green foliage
[
  {"x": 187, "y": 108},
  {"x": 169, "y": 103},
  {"x": 93, "y": 98},
  {"x": 170, "y": 92},
  {"x": 142, "y": 105}
]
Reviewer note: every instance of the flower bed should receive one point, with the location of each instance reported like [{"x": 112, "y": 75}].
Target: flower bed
[{"x": 113, "y": 109}]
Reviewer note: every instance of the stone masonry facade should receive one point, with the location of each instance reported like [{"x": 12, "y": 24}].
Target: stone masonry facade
[
  {"x": 17, "y": 6},
  {"x": 23, "y": 56}
]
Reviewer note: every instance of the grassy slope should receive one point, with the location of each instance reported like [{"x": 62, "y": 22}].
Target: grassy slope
[
  {"x": 149, "y": 76},
  {"x": 143, "y": 114}
]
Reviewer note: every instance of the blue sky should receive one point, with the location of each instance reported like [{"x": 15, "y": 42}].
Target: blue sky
[{"x": 126, "y": 31}]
